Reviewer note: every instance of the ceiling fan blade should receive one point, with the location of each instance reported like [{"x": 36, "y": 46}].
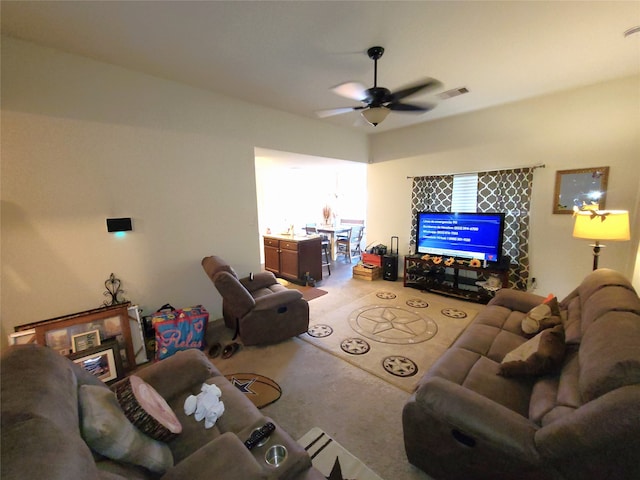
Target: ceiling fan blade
[
  {"x": 352, "y": 90},
  {"x": 407, "y": 107},
  {"x": 336, "y": 111},
  {"x": 429, "y": 83}
]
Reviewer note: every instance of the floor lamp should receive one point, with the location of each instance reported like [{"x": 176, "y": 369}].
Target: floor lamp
[{"x": 598, "y": 225}]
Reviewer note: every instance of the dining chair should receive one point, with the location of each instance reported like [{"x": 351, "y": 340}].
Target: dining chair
[
  {"x": 349, "y": 246},
  {"x": 311, "y": 229}
]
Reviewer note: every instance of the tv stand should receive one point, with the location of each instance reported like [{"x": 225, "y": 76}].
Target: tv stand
[{"x": 456, "y": 280}]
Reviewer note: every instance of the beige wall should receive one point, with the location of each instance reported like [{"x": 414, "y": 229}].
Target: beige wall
[
  {"x": 83, "y": 141},
  {"x": 587, "y": 127}
]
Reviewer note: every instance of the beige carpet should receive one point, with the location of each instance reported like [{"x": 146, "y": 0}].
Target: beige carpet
[{"x": 393, "y": 334}]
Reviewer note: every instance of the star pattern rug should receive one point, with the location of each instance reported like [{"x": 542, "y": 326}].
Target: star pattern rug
[{"x": 395, "y": 336}]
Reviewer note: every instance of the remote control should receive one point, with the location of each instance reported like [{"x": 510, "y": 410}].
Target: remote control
[{"x": 259, "y": 434}]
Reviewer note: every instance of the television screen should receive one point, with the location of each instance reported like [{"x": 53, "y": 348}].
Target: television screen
[{"x": 461, "y": 235}]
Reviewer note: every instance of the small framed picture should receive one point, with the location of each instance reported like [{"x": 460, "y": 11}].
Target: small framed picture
[
  {"x": 103, "y": 361},
  {"x": 85, "y": 340}
]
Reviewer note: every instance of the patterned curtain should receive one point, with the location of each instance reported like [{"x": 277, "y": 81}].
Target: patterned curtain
[
  {"x": 430, "y": 194},
  {"x": 509, "y": 191}
]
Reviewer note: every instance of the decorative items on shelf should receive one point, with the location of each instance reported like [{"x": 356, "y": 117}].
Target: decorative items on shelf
[
  {"x": 450, "y": 261},
  {"x": 463, "y": 278},
  {"x": 112, "y": 284}
]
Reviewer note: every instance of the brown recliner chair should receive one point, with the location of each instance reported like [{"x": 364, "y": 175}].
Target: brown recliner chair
[{"x": 257, "y": 307}]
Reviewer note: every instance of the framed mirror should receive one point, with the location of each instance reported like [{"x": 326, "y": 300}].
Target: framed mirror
[{"x": 577, "y": 188}]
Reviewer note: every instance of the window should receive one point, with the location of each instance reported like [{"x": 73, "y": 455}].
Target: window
[{"x": 465, "y": 193}]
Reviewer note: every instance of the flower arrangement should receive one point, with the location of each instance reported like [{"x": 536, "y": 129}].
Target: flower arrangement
[{"x": 326, "y": 213}]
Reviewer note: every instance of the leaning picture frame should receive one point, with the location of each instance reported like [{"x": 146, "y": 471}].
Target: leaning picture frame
[
  {"x": 103, "y": 361},
  {"x": 57, "y": 332},
  {"x": 85, "y": 340},
  {"x": 22, "y": 338},
  {"x": 580, "y": 188}
]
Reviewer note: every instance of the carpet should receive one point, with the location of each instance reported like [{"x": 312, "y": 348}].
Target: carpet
[
  {"x": 261, "y": 390},
  {"x": 395, "y": 336},
  {"x": 308, "y": 293},
  {"x": 332, "y": 459}
]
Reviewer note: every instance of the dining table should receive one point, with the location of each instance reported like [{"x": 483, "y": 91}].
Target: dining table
[{"x": 333, "y": 231}]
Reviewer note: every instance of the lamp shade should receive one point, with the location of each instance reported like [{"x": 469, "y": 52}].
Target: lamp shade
[
  {"x": 375, "y": 115},
  {"x": 602, "y": 225}
]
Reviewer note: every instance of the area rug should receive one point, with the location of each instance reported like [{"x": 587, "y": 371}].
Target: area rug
[
  {"x": 332, "y": 459},
  {"x": 395, "y": 336},
  {"x": 261, "y": 390},
  {"x": 308, "y": 293}
]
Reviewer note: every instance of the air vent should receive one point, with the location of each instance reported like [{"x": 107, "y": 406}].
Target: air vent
[{"x": 453, "y": 93}]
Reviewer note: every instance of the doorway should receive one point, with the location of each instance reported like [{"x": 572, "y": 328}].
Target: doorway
[{"x": 294, "y": 189}]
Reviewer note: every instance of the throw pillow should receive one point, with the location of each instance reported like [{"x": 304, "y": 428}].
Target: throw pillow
[
  {"x": 537, "y": 356},
  {"x": 109, "y": 432},
  {"x": 542, "y": 316}
]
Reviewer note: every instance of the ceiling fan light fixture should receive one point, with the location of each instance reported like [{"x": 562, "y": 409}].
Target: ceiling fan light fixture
[{"x": 375, "y": 115}]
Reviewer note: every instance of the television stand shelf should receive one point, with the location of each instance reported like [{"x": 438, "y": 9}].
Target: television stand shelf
[{"x": 457, "y": 280}]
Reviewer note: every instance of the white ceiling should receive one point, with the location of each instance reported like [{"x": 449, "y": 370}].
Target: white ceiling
[{"x": 287, "y": 54}]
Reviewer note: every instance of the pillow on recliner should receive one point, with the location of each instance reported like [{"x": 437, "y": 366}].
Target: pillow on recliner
[
  {"x": 537, "y": 356},
  {"x": 109, "y": 432}
]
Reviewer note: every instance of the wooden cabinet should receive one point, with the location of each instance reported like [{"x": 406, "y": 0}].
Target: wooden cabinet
[
  {"x": 292, "y": 257},
  {"x": 272, "y": 255},
  {"x": 457, "y": 280}
]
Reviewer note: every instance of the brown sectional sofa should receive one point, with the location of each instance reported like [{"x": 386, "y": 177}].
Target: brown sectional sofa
[
  {"x": 41, "y": 424},
  {"x": 580, "y": 421}
]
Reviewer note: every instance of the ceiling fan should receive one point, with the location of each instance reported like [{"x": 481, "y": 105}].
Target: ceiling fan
[{"x": 379, "y": 101}]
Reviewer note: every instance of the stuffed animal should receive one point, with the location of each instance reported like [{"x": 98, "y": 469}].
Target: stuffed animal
[{"x": 206, "y": 404}]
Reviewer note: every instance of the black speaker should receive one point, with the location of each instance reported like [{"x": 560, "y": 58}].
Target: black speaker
[
  {"x": 119, "y": 225},
  {"x": 390, "y": 267},
  {"x": 390, "y": 262}
]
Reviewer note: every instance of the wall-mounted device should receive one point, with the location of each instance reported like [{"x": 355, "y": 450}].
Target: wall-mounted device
[{"x": 119, "y": 225}]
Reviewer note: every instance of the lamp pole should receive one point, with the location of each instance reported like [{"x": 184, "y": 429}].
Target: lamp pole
[{"x": 596, "y": 253}]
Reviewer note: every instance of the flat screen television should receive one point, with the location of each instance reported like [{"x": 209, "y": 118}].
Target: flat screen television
[{"x": 461, "y": 235}]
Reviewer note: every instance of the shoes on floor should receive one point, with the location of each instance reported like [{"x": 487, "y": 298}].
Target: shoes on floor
[
  {"x": 230, "y": 349},
  {"x": 214, "y": 350}
]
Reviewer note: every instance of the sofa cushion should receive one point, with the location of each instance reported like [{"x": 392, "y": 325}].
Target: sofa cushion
[
  {"x": 479, "y": 374},
  {"x": 609, "y": 354},
  {"x": 107, "y": 430},
  {"x": 239, "y": 413},
  {"x": 608, "y": 299},
  {"x": 538, "y": 356},
  {"x": 37, "y": 381},
  {"x": 237, "y": 299},
  {"x": 38, "y": 448},
  {"x": 214, "y": 264}
]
